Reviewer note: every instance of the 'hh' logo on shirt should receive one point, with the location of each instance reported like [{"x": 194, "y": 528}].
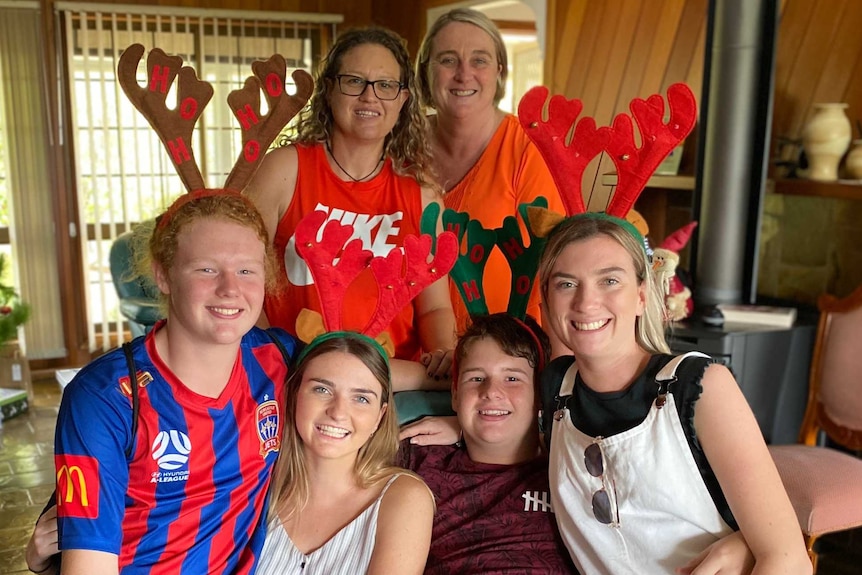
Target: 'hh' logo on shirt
[
  {"x": 375, "y": 231},
  {"x": 77, "y": 486}
]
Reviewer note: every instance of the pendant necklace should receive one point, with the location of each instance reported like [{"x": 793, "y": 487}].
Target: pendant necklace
[{"x": 363, "y": 178}]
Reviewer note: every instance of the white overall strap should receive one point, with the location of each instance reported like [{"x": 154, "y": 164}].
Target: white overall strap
[
  {"x": 568, "y": 384},
  {"x": 668, "y": 372}
]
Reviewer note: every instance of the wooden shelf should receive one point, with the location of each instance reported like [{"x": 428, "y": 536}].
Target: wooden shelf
[
  {"x": 842, "y": 189},
  {"x": 663, "y": 182}
]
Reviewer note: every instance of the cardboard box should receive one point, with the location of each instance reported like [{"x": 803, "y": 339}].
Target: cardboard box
[
  {"x": 12, "y": 402},
  {"x": 14, "y": 369}
]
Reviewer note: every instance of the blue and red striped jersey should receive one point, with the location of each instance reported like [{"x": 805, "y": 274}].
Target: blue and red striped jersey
[{"x": 193, "y": 496}]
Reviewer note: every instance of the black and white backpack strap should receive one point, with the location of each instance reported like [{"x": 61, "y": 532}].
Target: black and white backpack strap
[{"x": 667, "y": 375}]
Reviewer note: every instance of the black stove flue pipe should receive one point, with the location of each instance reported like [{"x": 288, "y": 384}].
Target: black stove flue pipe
[{"x": 733, "y": 150}]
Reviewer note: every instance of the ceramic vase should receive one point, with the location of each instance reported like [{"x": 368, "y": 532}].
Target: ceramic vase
[
  {"x": 853, "y": 161},
  {"x": 825, "y": 139}
]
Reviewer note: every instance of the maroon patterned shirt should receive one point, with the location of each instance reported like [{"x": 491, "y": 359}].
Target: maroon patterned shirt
[{"x": 490, "y": 518}]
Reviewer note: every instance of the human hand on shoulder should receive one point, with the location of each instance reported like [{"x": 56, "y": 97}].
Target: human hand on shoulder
[
  {"x": 729, "y": 555},
  {"x": 432, "y": 430},
  {"x": 438, "y": 364},
  {"x": 43, "y": 544}
]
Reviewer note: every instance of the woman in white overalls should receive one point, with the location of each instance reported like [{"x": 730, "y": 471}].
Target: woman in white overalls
[{"x": 652, "y": 459}]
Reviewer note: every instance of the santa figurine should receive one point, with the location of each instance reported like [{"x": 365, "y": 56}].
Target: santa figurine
[{"x": 665, "y": 260}]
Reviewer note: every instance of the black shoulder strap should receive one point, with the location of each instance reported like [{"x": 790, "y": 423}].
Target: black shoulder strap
[
  {"x": 552, "y": 381},
  {"x": 288, "y": 360},
  {"x": 133, "y": 385}
]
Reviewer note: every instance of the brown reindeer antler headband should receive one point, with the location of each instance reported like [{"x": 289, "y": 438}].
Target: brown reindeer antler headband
[{"x": 175, "y": 127}]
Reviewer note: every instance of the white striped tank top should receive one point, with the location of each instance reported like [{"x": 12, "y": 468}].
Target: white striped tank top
[{"x": 348, "y": 552}]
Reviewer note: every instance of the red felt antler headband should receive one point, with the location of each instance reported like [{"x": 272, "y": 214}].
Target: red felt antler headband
[
  {"x": 635, "y": 164},
  {"x": 335, "y": 262}
]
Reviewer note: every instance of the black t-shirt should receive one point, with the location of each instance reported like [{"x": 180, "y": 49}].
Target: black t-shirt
[{"x": 607, "y": 414}]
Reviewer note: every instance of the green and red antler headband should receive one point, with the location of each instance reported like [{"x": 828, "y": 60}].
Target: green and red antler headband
[{"x": 468, "y": 272}]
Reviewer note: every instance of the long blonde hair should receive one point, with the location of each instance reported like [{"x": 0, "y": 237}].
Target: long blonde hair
[
  {"x": 649, "y": 328},
  {"x": 289, "y": 490}
]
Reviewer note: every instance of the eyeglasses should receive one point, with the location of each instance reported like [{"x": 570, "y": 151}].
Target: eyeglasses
[
  {"x": 355, "y": 86},
  {"x": 604, "y": 511}
]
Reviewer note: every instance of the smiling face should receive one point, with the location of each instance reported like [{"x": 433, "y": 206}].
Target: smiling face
[
  {"x": 495, "y": 399},
  {"x": 215, "y": 285},
  {"x": 594, "y": 297},
  {"x": 366, "y": 116},
  {"x": 463, "y": 70},
  {"x": 338, "y": 406}
]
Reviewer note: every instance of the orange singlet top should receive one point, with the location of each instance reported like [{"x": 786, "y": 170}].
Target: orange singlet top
[
  {"x": 382, "y": 210},
  {"x": 509, "y": 172}
]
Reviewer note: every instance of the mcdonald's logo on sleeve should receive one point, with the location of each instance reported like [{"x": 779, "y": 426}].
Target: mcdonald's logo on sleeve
[{"x": 77, "y": 486}]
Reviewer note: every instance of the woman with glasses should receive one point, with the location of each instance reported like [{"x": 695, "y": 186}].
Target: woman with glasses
[
  {"x": 482, "y": 158},
  {"x": 653, "y": 458},
  {"x": 359, "y": 153}
]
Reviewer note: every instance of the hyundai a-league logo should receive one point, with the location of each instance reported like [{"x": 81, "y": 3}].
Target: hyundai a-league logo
[{"x": 171, "y": 451}]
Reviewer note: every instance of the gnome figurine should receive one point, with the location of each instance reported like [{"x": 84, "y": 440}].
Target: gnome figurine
[{"x": 665, "y": 260}]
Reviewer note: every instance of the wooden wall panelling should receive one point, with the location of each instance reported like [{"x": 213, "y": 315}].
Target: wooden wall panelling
[
  {"x": 402, "y": 17},
  {"x": 840, "y": 66},
  {"x": 853, "y": 95},
  {"x": 794, "y": 97},
  {"x": 565, "y": 37},
  {"x": 694, "y": 77},
  {"x": 609, "y": 99},
  {"x": 793, "y": 23},
  {"x": 574, "y": 75},
  {"x": 638, "y": 62},
  {"x": 608, "y": 52},
  {"x": 681, "y": 58},
  {"x": 598, "y": 66},
  {"x": 662, "y": 46}
]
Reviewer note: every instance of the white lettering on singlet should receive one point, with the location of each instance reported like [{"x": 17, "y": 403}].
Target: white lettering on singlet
[
  {"x": 374, "y": 231},
  {"x": 537, "y": 501}
]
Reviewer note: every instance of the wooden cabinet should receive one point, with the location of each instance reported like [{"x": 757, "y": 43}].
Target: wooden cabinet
[{"x": 665, "y": 204}]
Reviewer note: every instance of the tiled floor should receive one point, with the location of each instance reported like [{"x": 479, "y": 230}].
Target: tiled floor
[
  {"x": 27, "y": 480},
  {"x": 26, "y": 473}
]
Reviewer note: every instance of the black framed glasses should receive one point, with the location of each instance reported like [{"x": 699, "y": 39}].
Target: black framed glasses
[
  {"x": 354, "y": 86},
  {"x": 603, "y": 509}
]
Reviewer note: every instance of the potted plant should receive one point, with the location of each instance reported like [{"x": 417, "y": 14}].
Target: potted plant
[
  {"x": 13, "y": 312},
  {"x": 13, "y": 373}
]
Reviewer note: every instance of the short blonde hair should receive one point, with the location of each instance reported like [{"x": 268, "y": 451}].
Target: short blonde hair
[{"x": 467, "y": 16}]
